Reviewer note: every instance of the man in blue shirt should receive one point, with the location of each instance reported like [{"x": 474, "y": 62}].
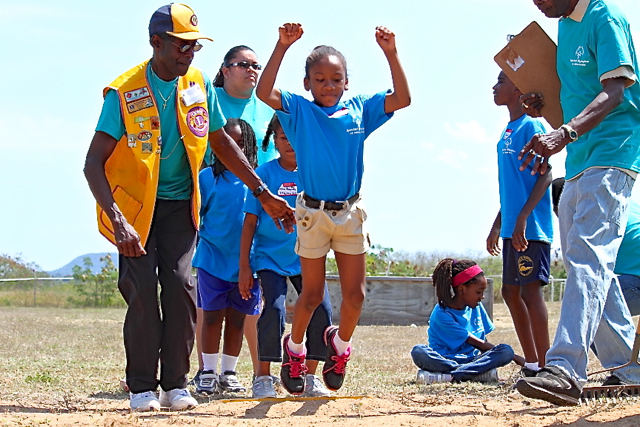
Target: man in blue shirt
[{"x": 600, "y": 97}]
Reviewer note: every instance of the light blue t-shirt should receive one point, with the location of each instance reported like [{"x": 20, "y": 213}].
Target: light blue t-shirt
[
  {"x": 587, "y": 50},
  {"x": 628, "y": 260},
  {"x": 450, "y": 328},
  {"x": 253, "y": 111},
  {"x": 516, "y": 185},
  {"x": 221, "y": 218},
  {"x": 329, "y": 142},
  {"x": 273, "y": 249},
  {"x": 174, "y": 182}
]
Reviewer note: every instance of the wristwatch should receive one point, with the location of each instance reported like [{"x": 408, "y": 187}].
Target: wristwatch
[
  {"x": 259, "y": 190},
  {"x": 573, "y": 135}
]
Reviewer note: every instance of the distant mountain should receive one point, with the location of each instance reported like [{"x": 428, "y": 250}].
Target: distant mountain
[{"x": 67, "y": 270}]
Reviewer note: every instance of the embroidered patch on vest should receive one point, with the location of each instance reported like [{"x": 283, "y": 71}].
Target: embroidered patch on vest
[
  {"x": 147, "y": 147},
  {"x": 198, "y": 121},
  {"x": 139, "y": 104},
  {"x": 136, "y": 94},
  {"x": 145, "y": 135}
]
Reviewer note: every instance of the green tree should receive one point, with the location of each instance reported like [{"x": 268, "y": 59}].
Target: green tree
[
  {"x": 97, "y": 290},
  {"x": 16, "y": 267}
]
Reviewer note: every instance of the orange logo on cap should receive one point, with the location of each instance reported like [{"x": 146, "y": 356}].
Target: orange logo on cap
[{"x": 194, "y": 20}]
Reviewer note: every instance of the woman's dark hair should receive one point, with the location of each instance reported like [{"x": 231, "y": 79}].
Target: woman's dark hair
[
  {"x": 274, "y": 124},
  {"x": 219, "y": 80},
  {"x": 443, "y": 275},
  {"x": 320, "y": 52},
  {"x": 250, "y": 149}
]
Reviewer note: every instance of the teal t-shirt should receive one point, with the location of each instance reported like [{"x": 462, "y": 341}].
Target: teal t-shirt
[
  {"x": 628, "y": 260},
  {"x": 174, "y": 182},
  {"x": 600, "y": 43},
  {"x": 253, "y": 111}
]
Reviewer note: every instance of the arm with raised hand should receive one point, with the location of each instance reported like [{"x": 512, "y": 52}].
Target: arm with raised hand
[
  {"x": 265, "y": 91},
  {"x": 401, "y": 96}
]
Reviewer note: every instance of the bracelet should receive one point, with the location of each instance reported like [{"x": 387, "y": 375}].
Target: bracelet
[
  {"x": 571, "y": 133},
  {"x": 258, "y": 191}
]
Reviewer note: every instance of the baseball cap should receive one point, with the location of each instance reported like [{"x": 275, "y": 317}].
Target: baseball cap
[{"x": 178, "y": 20}]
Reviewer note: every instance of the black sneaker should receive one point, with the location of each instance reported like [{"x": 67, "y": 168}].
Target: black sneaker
[
  {"x": 527, "y": 373},
  {"x": 612, "y": 380},
  {"x": 551, "y": 384},
  {"x": 196, "y": 378},
  {"x": 334, "y": 368},
  {"x": 293, "y": 369}
]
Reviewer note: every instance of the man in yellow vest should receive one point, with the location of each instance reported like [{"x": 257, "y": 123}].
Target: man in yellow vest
[{"x": 142, "y": 168}]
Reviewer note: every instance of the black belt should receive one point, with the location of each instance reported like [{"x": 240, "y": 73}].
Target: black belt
[{"x": 312, "y": 203}]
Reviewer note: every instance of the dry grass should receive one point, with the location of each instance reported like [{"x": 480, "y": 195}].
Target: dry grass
[{"x": 63, "y": 357}]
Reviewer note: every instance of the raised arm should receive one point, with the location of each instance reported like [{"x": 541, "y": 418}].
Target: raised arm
[
  {"x": 400, "y": 97},
  {"x": 518, "y": 239},
  {"x": 265, "y": 90},
  {"x": 228, "y": 152}
]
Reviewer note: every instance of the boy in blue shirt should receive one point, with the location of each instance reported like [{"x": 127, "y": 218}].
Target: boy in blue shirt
[{"x": 525, "y": 223}]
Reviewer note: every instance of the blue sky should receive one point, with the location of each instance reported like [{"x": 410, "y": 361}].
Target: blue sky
[{"x": 430, "y": 179}]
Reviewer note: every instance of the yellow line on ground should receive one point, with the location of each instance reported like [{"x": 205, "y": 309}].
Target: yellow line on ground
[{"x": 287, "y": 399}]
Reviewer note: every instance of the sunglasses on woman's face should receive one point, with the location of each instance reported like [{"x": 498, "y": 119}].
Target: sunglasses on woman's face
[{"x": 245, "y": 65}]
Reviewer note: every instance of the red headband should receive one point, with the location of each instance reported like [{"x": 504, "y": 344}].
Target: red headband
[{"x": 466, "y": 275}]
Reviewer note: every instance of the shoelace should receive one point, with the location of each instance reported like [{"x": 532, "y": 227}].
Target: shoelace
[
  {"x": 297, "y": 367},
  {"x": 341, "y": 363}
]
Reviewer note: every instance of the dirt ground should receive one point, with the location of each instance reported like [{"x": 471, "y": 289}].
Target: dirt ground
[{"x": 413, "y": 410}]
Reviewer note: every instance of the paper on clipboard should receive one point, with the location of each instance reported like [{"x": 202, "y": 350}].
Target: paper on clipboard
[{"x": 529, "y": 60}]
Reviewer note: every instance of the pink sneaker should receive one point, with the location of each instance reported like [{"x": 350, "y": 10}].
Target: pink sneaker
[
  {"x": 293, "y": 369},
  {"x": 334, "y": 368}
]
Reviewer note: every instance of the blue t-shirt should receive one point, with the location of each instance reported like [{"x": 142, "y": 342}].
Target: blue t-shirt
[
  {"x": 253, "y": 111},
  {"x": 221, "y": 217},
  {"x": 174, "y": 181},
  {"x": 628, "y": 260},
  {"x": 273, "y": 249},
  {"x": 516, "y": 185},
  {"x": 329, "y": 142},
  {"x": 450, "y": 328},
  {"x": 587, "y": 50}
]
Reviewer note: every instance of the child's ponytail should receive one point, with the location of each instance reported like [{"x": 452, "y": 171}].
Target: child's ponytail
[
  {"x": 271, "y": 130},
  {"x": 443, "y": 276}
]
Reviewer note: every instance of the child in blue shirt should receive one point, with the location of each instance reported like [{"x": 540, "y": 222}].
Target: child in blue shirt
[
  {"x": 216, "y": 259},
  {"x": 328, "y": 136},
  {"x": 525, "y": 224},
  {"x": 458, "y": 326},
  {"x": 275, "y": 261}
]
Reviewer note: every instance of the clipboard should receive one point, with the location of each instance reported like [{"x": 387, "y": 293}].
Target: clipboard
[{"x": 529, "y": 60}]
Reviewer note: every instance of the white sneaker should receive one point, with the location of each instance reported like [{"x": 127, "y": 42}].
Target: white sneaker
[
  {"x": 426, "y": 377},
  {"x": 490, "y": 376},
  {"x": 313, "y": 387},
  {"x": 145, "y": 401},
  {"x": 263, "y": 387},
  {"x": 177, "y": 399},
  {"x": 228, "y": 381}
]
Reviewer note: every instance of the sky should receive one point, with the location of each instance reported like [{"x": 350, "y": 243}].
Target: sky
[{"x": 430, "y": 181}]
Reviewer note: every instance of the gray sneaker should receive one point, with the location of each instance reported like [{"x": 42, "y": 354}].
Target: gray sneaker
[
  {"x": 207, "y": 382},
  {"x": 427, "y": 377},
  {"x": 490, "y": 376},
  {"x": 228, "y": 381},
  {"x": 553, "y": 385},
  {"x": 263, "y": 387},
  {"x": 313, "y": 387}
]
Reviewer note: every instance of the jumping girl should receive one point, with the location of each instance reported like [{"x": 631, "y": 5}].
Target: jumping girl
[
  {"x": 458, "y": 350},
  {"x": 328, "y": 137},
  {"x": 216, "y": 259},
  {"x": 275, "y": 260}
]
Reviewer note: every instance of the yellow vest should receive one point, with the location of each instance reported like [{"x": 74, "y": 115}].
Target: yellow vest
[{"x": 133, "y": 168}]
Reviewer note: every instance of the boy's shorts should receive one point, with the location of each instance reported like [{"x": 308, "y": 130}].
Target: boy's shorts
[
  {"x": 321, "y": 228},
  {"x": 216, "y": 294},
  {"x": 521, "y": 268}
]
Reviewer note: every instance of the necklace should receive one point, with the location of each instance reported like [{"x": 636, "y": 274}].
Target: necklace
[{"x": 173, "y": 89}]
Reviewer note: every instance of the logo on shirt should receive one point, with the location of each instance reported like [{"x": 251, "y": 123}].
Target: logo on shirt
[
  {"x": 525, "y": 265},
  {"x": 507, "y": 142},
  {"x": 198, "y": 121},
  {"x": 288, "y": 189},
  {"x": 340, "y": 113},
  {"x": 579, "y": 62},
  {"x": 357, "y": 120}
]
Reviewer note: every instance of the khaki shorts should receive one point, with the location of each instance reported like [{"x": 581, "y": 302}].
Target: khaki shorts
[{"x": 320, "y": 229}]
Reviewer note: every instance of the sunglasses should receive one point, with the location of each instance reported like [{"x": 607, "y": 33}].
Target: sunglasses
[
  {"x": 245, "y": 65},
  {"x": 184, "y": 48}
]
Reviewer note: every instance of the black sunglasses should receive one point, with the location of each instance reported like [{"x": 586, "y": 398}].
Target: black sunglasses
[
  {"x": 183, "y": 48},
  {"x": 245, "y": 65}
]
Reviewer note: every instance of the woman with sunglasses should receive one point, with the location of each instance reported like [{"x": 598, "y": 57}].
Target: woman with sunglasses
[{"x": 234, "y": 85}]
